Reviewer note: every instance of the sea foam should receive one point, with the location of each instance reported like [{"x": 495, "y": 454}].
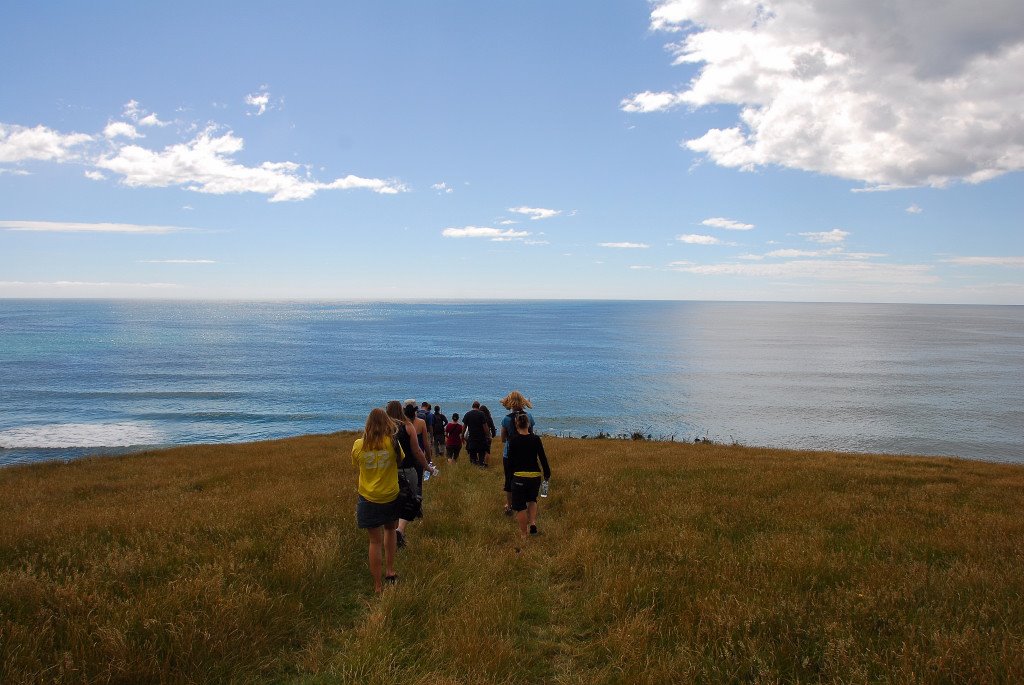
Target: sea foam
[{"x": 65, "y": 435}]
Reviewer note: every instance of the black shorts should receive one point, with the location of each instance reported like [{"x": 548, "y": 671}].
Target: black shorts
[
  {"x": 371, "y": 515},
  {"x": 524, "y": 491},
  {"x": 453, "y": 451}
]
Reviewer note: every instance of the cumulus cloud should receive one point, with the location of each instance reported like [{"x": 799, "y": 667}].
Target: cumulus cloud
[
  {"x": 122, "y": 129},
  {"x": 152, "y": 120},
  {"x": 536, "y": 212},
  {"x": 205, "y": 165},
  {"x": 727, "y": 224},
  {"x": 891, "y": 94},
  {"x": 836, "y": 235},
  {"x": 95, "y": 175},
  {"x": 986, "y": 261},
  {"x": 68, "y": 227},
  {"x": 442, "y": 188},
  {"x": 134, "y": 112},
  {"x": 20, "y": 144},
  {"x": 625, "y": 246},
  {"x": 695, "y": 239},
  {"x": 495, "y": 234}
]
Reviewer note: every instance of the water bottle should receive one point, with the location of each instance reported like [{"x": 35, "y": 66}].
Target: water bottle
[
  {"x": 544, "y": 489},
  {"x": 426, "y": 474}
]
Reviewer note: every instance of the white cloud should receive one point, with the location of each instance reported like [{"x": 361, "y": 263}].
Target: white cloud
[
  {"x": 122, "y": 129},
  {"x": 536, "y": 242},
  {"x": 681, "y": 262},
  {"x": 836, "y": 235},
  {"x": 95, "y": 175},
  {"x": 640, "y": 267},
  {"x": 152, "y": 120},
  {"x": 507, "y": 222},
  {"x": 728, "y": 224},
  {"x": 892, "y": 94},
  {"x": 66, "y": 227},
  {"x": 442, "y": 188},
  {"x": 205, "y": 165},
  {"x": 19, "y": 144},
  {"x": 913, "y": 209},
  {"x": 694, "y": 239},
  {"x": 823, "y": 270},
  {"x": 1017, "y": 262},
  {"x": 14, "y": 172},
  {"x": 495, "y": 234},
  {"x": 259, "y": 101},
  {"x": 84, "y": 284},
  {"x": 177, "y": 261},
  {"x": 536, "y": 212},
  {"x": 626, "y": 246}
]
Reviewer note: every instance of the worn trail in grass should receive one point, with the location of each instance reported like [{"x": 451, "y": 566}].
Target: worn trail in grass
[{"x": 658, "y": 562}]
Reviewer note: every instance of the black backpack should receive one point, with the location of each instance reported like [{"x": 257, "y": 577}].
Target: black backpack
[{"x": 515, "y": 415}]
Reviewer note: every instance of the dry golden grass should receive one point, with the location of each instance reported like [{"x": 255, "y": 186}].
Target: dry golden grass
[{"x": 659, "y": 563}]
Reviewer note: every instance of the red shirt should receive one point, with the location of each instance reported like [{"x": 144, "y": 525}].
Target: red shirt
[{"x": 453, "y": 434}]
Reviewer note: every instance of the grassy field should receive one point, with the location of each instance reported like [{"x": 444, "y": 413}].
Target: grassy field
[{"x": 658, "y": 563}]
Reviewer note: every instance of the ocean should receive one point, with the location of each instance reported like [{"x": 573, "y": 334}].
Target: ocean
[{"x": 80, "y": 377}]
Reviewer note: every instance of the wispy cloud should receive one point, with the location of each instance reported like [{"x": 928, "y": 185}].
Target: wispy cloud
[
  {"x": 14, "y": 172},
  {"x": 206, "y": 165},
  {"x": 913, "y": 209},
  {"x": 258, "y": 100},
  {"x": 536, "y": 212},
  {"x": 836, "y": 235},
  {"x": 443, "y": 188},
  {"x": 73, "y": 227},
  {"x": 696, "y": 239},
  {"x": 822, "y": 270},
  {"x": 177, "y": 261},
  {"x": 84, "y": 284},
  {"x": 94, "y": 175},
  {"x": 495, "y": 234},
  {"x": 1017, "y": 262},
  {"x": 626, "y": 246},
  {"x": 21, "y": 144},
  {"x": 640, "y": 267},
  {"x": 728, "y": 224}
]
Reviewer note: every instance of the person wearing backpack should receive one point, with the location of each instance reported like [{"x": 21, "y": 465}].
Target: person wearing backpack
[
  {"x": 453, "y": 438},
  {"x": 423, "y": 414},
  {"x": 516, "y": 404},
  {"x": 440, "y": 421}
]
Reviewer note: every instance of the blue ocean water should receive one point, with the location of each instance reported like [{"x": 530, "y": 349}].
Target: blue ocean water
[{"x": 86, "y": 376}]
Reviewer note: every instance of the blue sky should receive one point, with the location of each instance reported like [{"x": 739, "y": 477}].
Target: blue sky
[{"x": 846, "y": 151}]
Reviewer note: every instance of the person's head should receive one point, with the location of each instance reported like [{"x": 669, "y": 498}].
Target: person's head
[
  {"x": 379, "y": 429},
  {"x": 410, "y": 411},
  {"x": 455, "y": 418},
  {"x": 476, "y": 405},
  {"x": 514, "y": 401},
  {"x": 484, "y": 409},
  {"x": 408, "y": 402},
  {"x": 523, "y": 422},
  {"x": 426, "y": 406},
  {"x": 437, "y": 408},
  {"x": 394, "y": 410}
]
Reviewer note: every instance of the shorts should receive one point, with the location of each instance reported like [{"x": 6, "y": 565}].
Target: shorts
[
  {"x": 452, "y": 451},
  {"x": 524, "y": 491},
  {"x": 415, "y": 478},
  {"x": 508, "y": 475},
  {"x": 372, "y": 515}
]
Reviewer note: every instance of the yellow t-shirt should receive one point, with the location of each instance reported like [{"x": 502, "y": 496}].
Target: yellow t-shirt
[{"x": 378, "y": 471}]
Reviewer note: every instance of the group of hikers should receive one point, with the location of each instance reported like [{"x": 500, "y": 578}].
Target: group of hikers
[{"x": 395, "y": 455}]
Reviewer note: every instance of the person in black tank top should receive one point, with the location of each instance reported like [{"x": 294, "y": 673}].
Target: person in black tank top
[{"x": 415, "y": 460}]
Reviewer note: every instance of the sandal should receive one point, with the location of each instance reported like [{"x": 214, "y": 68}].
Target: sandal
[{"x": 391, "y": 580}]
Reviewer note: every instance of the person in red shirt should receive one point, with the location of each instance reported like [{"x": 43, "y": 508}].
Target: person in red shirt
[{"x": 453, "y": 438}]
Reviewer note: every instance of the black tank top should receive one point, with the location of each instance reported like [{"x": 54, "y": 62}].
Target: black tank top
[{"x": 403, "y": 439}]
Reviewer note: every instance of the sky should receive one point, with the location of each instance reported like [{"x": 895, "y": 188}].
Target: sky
[{"x": 841, "y": 150}]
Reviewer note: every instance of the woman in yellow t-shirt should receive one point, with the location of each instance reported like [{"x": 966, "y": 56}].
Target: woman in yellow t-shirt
[{"x": 377, "y": 456}]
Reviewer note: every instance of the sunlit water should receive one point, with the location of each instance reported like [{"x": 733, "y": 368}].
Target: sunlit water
[{"x": 79, "y": 377}]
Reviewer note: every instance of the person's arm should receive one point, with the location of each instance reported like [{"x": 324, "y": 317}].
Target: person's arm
[{"x": 543, "y": 459}]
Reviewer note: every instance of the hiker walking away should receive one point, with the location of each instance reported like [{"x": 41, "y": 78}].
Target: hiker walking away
[
  {"x": 423, "y": 414},
  {"x": 516, "y": 405},
  {"x": 525, "y": 450},
  {"x": 453, "y": 438},
  {"x": 477, "y": 433},
  {"x": 490, "y": 431},
  {"x": 376, "y": 454},
  {"x": 440, "y": 421},
  {"x": 413, "y": 461}
]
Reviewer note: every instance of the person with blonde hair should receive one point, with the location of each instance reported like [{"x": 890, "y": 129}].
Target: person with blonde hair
[
  {"x": 377, "y": 454},
  {"x": 516, "y": 405}
]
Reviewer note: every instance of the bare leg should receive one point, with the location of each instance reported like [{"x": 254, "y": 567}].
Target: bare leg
[
  {"x": 376, "y": 548},
  {"x": 402, "y": 523},
  {"x": 390, "y": 547},
  {"x": 531, "y": 508},
  {"x": 521, "y": 517}
]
